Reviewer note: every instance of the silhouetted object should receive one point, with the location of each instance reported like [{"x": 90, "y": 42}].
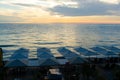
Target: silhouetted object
[
  {"x": 68, "y": 71},
  {"x": 1, "y": 57},
  {"x": 86, "y": 71},
  {"x": 1, "y": 65}
]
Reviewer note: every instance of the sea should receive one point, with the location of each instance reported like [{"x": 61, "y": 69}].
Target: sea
[{"x": 14, "y": 36}]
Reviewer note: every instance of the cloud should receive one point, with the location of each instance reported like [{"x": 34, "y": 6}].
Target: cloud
[
  {"x": 87, "y": 8},
  {"x": 57, "y": 10},
  {"x": 26, "y": 5},
  {"x": 47, "y": 4},
  {"x": 111, "y": 1}
]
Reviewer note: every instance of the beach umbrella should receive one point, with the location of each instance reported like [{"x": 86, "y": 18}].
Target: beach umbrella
[
  {"x": 18, "y": 56},
  {"x": 81, "y": 50},
  {"x": 70, "y": 55},
  {"x": 63, "y": 50},
  {"x": 45, "y": 55},
  {"x": 103, "y": 51},
  {"x": 113, "y": 49},
  {"x": 77, "y": 60},
  {"x": 66, "y": 52},
  {"x": 17, "y": 63},
  {"x": 22, "y": 51},
  {"x": 42, "y": 50},
  {"x": 48, "y": 62},
  {"x": 85, "y": 51},
  {"x": 107, "y": 54}
]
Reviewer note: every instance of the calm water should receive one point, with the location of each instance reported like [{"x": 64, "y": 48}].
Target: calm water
[{"x": 32, "y": 36}]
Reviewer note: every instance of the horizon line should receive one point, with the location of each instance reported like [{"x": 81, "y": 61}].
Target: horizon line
[{"x": 59, "y": 23}]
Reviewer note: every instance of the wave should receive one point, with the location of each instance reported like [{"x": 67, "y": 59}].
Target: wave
[
  {"x": 45, "y": 43},
  {"x": 8, "y": 45}
]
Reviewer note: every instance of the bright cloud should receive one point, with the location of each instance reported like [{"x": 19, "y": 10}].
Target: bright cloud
[{"x": 111, "y": 1}]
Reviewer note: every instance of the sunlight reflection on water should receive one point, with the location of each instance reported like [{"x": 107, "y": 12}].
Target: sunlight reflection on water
[{"x": 32, "y": 36}]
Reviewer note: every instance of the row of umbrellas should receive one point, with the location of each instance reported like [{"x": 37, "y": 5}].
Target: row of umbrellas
[
  {"x": 72, "y": 57},
  {"x": 85, "y": 51},
  {"x": 46, "y": 58},
  {"x": 104, "y": 51},
  {"x": 19, "y": 58},
  {"x": 113, "y": 49}
]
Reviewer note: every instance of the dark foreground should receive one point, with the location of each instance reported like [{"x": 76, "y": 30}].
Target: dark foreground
[{"x": 65, "y": 72}]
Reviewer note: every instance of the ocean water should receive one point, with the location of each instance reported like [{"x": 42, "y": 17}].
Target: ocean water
[{"x": 32, "y": 36}]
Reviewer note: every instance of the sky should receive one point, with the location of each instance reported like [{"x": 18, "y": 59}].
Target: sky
[{"x": 60, "y": 11}]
